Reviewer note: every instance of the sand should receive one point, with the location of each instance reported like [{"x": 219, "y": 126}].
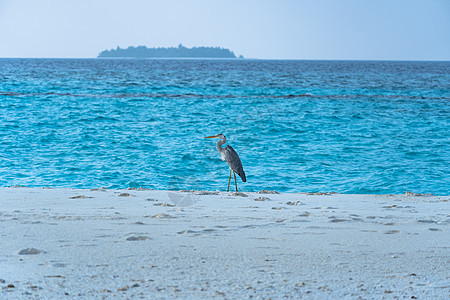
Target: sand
[{"x": 69, "y": 243}]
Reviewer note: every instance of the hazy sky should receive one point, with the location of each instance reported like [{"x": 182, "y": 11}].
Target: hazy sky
[{"x": 281, "y": 29}]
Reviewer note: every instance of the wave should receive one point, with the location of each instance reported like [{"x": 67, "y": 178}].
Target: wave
[{"x": 237, "y": 96}]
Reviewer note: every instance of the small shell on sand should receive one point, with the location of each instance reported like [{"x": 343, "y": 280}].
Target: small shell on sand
[
  {"x": 392, "y": 231},
  {"x": 267, "y": 192},
  {"x": 137, "y": 238},
  {"x": 206, "y": 193},
  {"x": 293, "y": 203},
  {"x": 238, "y": 194},
  {"x": 30, "y": 251},
  {"x": 261, "y": 199},
  {"x": 162, "y": 216},
  {"x": 164, "y": 204},
  {"x": 80, "y": 197}
]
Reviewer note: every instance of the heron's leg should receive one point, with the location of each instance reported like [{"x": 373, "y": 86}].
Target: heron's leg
[
  {"x": 229, "y": 179},
  {"x": 235, "y": 182}
]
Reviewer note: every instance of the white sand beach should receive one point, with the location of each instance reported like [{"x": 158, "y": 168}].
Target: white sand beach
[{"x": 69, "y": 243}]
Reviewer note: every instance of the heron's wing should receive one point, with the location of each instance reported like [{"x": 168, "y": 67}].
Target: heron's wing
[{"x": 233, "y": 160}]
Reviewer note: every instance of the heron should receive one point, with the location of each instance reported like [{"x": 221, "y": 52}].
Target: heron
[{"x": 231, "y": 157}]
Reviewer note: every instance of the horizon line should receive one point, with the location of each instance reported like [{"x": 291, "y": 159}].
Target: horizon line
[{"x": 237, "y": 58}]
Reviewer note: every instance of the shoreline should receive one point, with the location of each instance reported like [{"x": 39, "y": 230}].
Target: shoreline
[
  {"x": 206, "y": 192},
  {"x": 95, "y": 243}
]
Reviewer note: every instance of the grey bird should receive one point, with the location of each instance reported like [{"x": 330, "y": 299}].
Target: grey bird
[{"x": 231, "y": 157}]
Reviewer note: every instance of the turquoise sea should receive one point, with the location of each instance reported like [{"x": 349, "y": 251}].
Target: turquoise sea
[{"x": 298, "y": 126}]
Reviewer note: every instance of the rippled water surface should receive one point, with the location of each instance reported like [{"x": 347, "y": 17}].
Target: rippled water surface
[{"x": 298, "y": 126}]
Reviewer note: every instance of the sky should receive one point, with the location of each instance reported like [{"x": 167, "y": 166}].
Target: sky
[{"x": 262, "y": 29}]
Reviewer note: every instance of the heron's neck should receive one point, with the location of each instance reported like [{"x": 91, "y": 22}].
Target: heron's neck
[{"x": 220, "y": 143}]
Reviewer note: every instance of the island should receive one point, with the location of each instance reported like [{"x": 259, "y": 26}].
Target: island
[{"x": 171, "y": 52}]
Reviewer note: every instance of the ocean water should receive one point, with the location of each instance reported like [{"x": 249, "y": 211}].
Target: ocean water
[{"x": 298, "y": 126}]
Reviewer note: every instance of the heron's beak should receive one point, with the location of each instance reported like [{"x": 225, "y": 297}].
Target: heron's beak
[{"x": 211, "y": 137}]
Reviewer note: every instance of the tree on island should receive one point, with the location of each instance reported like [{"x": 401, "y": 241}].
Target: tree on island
[{"x": 171, "y": 52}]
